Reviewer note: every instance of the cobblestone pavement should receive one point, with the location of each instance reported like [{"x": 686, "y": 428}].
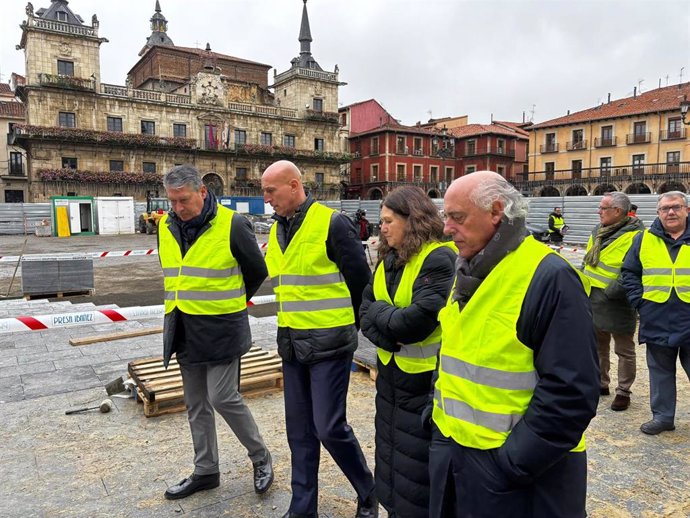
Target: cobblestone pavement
[{"x": 119, "y": 464}]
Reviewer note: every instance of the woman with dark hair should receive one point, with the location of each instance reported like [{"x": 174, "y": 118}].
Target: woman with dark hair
[{"x": 399, "y": 315}]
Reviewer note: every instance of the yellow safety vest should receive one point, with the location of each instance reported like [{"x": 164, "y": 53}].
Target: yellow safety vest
[
  {"x": 420, "y": 356},
  {"x": 610, "y": 260},
  {"x": 311, "y": 293},
  {"x": 486, "y": 376},
  {"x": 557, "y": 222},
  {"x": 208, "y": 279},
  {"x": 659, "y": 274}
]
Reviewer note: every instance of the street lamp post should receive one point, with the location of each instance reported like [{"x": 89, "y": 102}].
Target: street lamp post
[{"x": 684, "y": 107}]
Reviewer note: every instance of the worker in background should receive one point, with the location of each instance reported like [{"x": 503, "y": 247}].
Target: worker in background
[
  {"x": 613, "y": 316},
  {"x": 211, "y": 267},
  {"x": 557, "y": 226},
  {"x": 656, "y": 278},
  {"x": 318, "y": 269},
  {"x": 362, "y": 224},
  {"x": 633, "y": 211},
  {"x": 518, "y": 378},
  {"x": 399, "y": 315}
]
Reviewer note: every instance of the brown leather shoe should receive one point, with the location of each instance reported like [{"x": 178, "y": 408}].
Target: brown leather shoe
[{"x": 620, "y": 403}]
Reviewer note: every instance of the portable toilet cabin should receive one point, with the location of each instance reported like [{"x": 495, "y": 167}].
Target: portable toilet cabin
[
  {"x": 114, "y": 215},
  {"x": 73, "y": 215}
]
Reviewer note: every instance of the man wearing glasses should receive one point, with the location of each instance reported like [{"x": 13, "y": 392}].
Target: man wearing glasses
[
  {"x": 656, "y": 278},
  {"x": 613, "y": 316}
]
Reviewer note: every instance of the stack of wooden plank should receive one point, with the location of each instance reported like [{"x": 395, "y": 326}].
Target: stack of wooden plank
[{"x": 161, "y": 392}]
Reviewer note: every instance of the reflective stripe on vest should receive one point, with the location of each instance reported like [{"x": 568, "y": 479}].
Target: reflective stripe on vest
[
  {"x": 311, "y": 293},
  {"x": 486, "y": 376},
  {"x": 208, "y": 280},
  {"x": 610, "y": 260},
  {"x": 420, "y": 356},
  {"x": 659, "y": 274},
  {"x": 557, "y": 223}
]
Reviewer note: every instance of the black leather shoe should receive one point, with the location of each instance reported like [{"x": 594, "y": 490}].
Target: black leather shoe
[
  {"x": 368, "y": 508},
  {"x": 290, "y": 514},
  {"x": 191, "y": 485},
  {"x": 263, "y": 475},
  {"x": 655, "y": 427}
]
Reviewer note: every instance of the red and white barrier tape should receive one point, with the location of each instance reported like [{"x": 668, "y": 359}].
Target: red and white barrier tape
[
  {"x": 119, "y": 253},
  {"x": 94, "y": 255},
  {"x": 99, "y": 316}
]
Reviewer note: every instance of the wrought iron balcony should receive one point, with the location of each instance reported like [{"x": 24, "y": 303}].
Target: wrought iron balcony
[
  {"x": 488, "y": 150},
  {"x": 638, "y": 138},
  {"x": 605, "y": 142},
  {"x": 577, "y": 145},
  {"x": 673, "y": 134},
  {"x": 551, "y": 147},
  {"x": 675, "y": 171}
]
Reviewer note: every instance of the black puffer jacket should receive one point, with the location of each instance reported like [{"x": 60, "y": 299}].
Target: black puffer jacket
[
  {"x": 344, "y": 248},
  {"x": 402, "y": 446}
]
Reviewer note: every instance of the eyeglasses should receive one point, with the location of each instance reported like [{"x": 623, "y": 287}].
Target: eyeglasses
[
  {"x": 674, "y": 208},
  {"x": 602, "y": 209}
]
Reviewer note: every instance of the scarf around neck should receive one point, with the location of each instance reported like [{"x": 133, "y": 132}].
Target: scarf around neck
[
  {"x": 605, "y": 236},
  {"x": 470, "y": 274}
]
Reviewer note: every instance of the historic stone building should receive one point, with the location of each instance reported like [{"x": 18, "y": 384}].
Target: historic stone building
[
  {"x": 637, "y": 145},
  {"x": 178, "y": 105}
]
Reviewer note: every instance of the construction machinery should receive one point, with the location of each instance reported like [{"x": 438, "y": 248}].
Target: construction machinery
[{"x": 155, "y": 210}]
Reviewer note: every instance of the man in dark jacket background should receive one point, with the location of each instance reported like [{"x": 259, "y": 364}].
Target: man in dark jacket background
[
  {"x": 208, "y": 345},
  {"x": 613, "y": 316},
  {"x": 657, "y": 283},
  {"x": 318, "y": 269}
]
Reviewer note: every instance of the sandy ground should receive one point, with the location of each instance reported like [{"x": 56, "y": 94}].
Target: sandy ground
[{"x": 119, "y": 464}]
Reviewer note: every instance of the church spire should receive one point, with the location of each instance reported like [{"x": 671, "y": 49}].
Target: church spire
[
  {"x": 159, "y": 28},
  {"x": 305, "y": 33},
  {"x": 305, "y": 59}
]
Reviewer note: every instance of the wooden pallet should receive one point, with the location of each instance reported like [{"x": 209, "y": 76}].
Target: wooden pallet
[
  {"x": 360, "y": 365},
  {"x": 161, "y": 392},
  {"x": 58, "y": 295}
]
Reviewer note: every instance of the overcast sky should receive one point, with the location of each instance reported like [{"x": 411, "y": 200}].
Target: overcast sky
[{"x": 418, "y": 58}]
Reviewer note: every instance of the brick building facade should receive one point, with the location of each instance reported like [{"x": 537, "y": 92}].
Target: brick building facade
[{"x": 387, "y": 154}]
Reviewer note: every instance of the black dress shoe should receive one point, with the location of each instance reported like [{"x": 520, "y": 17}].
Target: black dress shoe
[
  {"x": 263, "y": 475},
  {"x": 367, "y": 508},
  {"x": 290, "y": 514},
  {"x": 191, "y": 485}
]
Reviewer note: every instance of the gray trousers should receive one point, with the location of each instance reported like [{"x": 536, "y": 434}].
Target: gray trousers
[
  {"x": 624, "y": 347},
  {"x": 209, "y": 387},
  {"x": 661, "y": 360}
]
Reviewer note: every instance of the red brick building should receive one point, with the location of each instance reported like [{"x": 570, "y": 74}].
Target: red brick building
[{"x": 388, "y": 154}]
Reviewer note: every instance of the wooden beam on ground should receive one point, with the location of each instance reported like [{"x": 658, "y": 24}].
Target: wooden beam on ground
[{"x": 115, "y": 336}]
